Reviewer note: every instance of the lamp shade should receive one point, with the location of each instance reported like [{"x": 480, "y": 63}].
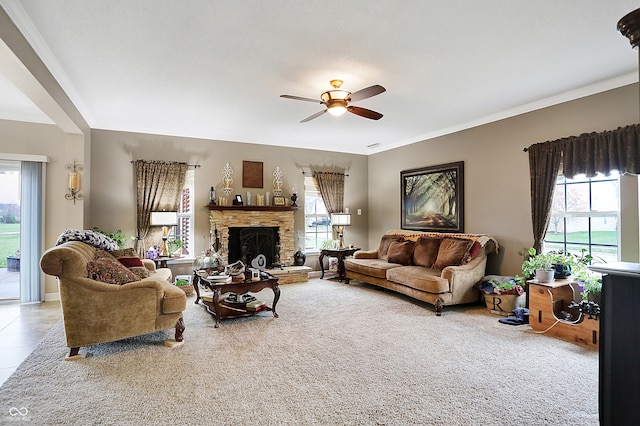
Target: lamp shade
[
  {"x": 340, "y": 219},
  {"x": 164, "y": 218}
]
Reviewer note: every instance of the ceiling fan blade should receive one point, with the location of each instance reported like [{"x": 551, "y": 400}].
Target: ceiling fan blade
[
  {"x": 300, "y": 98},
  {"x": 363, "y": 112},
  {"x": 316, "y": 115},
  {"x": 367, "y": 92}
]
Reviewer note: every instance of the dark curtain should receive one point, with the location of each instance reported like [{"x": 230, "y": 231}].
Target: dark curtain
[
  {"x": 588, "y": 154},
  {"x": 591, "y": 153},
  {"x": 159, "y": 184},
  {"x": 544, "y": 164},
  {"x": 331, "y": 186}
]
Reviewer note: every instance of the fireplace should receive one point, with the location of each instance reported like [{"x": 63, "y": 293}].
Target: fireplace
[
  {"x": 222, "y": 219},
  {"x": 256, "y": 246}
]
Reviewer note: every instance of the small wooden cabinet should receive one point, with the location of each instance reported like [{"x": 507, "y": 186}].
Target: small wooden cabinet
[{"x": 549, "y": 312}]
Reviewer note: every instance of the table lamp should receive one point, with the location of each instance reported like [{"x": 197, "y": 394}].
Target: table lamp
[
  {"x": 340, "y": 220},
  {"x": 164, "y": 219}
]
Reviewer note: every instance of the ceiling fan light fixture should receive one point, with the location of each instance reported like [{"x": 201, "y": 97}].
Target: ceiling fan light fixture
[{"x": 337, "y": 110}]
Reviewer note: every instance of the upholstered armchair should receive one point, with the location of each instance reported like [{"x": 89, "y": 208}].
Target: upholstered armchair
[{"x": 96, "y": 311}]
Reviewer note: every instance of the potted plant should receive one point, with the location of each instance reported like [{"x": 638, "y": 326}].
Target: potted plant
[
  {"x": 539, "y": 265},
  {"x": 502, "y": 294},
  {"x": 174, "y": 244},
  {"x": 119, "y": 237}
]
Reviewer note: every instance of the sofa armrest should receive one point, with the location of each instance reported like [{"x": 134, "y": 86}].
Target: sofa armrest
[
  {"x": 366, "y": 254},
  {"x": 463, "y": 278},
  {"x": 149, "y": 264}
]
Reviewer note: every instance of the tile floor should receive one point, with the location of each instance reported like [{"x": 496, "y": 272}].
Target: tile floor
[{"x": 22, "y": 326}]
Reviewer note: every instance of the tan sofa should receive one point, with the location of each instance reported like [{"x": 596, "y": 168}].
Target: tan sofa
[
  {"x": 441, "y": 269},
  {"x": 98, "y": 312}
]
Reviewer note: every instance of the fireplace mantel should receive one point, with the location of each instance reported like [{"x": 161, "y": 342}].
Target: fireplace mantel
[{"x": 254, "y": 208}]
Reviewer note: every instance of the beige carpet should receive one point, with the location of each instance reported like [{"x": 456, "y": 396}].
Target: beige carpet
[{"x": 338, "y": 355}]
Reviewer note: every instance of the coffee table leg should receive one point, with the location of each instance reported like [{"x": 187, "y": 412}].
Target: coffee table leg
[
  {"x": 216, "y": 305},
  {"x": 276, "y": 293}
]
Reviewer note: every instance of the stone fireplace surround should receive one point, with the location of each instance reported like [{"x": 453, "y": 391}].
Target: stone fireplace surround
[{"x": 222, "y": 218}]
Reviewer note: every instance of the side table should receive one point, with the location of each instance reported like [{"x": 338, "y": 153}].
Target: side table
[{"x": 340, "y": 254}]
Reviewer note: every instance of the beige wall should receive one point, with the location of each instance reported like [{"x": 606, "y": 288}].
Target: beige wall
[
  {"x": 60, "y": 148},
  {"x": 497, "y": 194},
  {"x": 113, "y": 189}
]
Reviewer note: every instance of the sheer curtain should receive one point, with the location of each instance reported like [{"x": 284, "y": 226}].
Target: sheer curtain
[
  {"x": 31, "y": 289},
  {"x": 589, "y": 153},
  {"x": 159, "y": 184}
]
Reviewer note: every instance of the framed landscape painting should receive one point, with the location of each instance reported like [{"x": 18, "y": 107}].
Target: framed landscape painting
[{"x": 432, "y": 198}]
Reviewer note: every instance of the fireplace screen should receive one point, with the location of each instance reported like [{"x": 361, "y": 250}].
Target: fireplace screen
[{"x": 255, "y": 246}]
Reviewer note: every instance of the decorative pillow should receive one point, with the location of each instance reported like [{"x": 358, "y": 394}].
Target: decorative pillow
[
  {"x": 451, "y": 252},
  {"x": 425, "y": 252},
  {"x": 130, "y": 260},
  {"x": 385, "y": 242},
  {"x": 473, "y": 251},
  {"x": 90, "y": 237},
  {"x": 109, "y": 271},
  {"x": 400, "y": 252}
]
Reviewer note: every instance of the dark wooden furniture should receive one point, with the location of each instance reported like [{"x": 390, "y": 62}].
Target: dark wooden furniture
[
  {"x": 340, "y": 254},
  {"x": 619, "y": 365},
  {"x": 548, "y": 301},
  {"x": 219, "y": 310}
]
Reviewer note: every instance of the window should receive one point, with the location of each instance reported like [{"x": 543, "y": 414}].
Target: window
[
  {"x": 585, "y": 215},
  {"x": 317, "y": 220},
  {"x": 184, "y": 230}
]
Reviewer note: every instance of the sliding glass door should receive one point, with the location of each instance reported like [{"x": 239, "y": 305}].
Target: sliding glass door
[{"x": 10, "y": 230}]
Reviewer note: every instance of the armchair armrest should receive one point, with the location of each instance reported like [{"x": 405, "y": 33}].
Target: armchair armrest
[{"x": 366, "y": 254}]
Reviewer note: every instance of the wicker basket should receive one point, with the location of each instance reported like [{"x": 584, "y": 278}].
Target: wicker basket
[{"x": 188, "y": 289}]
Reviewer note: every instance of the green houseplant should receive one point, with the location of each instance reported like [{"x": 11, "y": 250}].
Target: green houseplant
[
  {"x": 539, "y": 265},
  {"x": 119, "y": 237}
]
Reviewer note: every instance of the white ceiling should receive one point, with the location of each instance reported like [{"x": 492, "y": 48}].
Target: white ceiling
[{"x": 215, "y": 69}]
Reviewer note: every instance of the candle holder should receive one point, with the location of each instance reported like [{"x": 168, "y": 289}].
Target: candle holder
[{"x": 74, "y": 181}]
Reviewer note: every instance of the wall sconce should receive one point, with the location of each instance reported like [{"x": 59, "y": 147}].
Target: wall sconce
[
  {"x": 74, "y": 182},
  {"x": 340, "y": 220},
  {"x": 164, "y": 219}
]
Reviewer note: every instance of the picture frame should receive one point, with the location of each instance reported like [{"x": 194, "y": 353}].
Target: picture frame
[
  {"x": 278, "y": 201},
  {"x": 237, "y": 200},
  {"x": 252, "y": 172},
  {"x": 432, "y": 198}
]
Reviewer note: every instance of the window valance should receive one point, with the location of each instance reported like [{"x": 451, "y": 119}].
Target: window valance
[{"x": 602, "y": 152}]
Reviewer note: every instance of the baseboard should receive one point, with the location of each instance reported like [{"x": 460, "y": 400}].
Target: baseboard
[{"x": 51, "y": 297}]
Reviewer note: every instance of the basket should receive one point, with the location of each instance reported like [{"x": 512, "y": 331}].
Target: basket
[
  {"x": 182, "y": 279},
  {"x": 188, "y": 289}
]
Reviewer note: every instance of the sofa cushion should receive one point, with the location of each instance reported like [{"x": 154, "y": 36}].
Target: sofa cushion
[
  {"x": 372, "y": 267},
  {"x": 109, "y": 271},
  {"x": 93, "y": 238},
  {"x": 425, "y": 252},
  {"x": 451, "y": 252},
  {"x": 400, "y": 252},
  {"x": 420, "y": 278},
  {"x": 385, "y": 242}
]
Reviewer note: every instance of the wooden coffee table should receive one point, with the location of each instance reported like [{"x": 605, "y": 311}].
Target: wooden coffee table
[{"x": 220, "y": 311}]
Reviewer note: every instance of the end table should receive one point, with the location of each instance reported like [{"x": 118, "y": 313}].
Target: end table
[{"x": 340, "y": 254}]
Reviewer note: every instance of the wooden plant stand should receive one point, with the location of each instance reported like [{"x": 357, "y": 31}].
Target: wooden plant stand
[{"x": 547, "y": 301}]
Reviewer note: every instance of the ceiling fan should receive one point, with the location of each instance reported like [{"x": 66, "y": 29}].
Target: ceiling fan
[{"x": 337, "y": 101}]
